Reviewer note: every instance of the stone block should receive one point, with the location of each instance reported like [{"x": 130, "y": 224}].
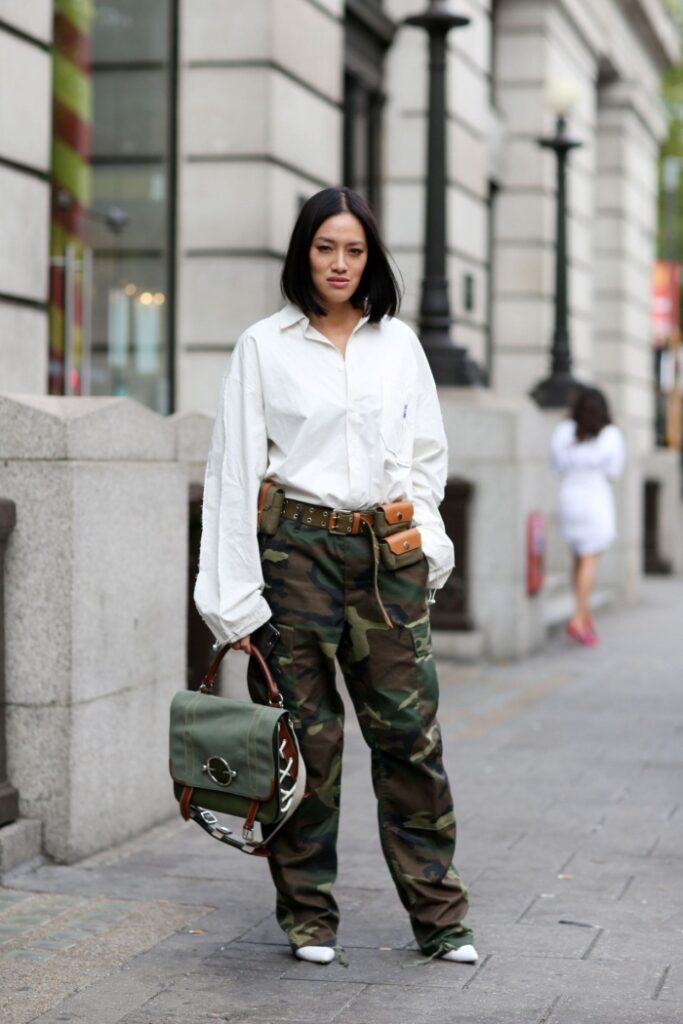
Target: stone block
[
  {"x": 525, "y": 268},
  {"x": 25, "y": 102},
  {"x": 24, "y": 214},
  {"x": 38, "y": 762},
  {"x": 35, "y": 18},
  {"x": 406, "y": 70},
  {"x": 23, "y": 350},
  {"x": 405, "y": 136},
  {"x": 467, "y": 223},
  {"x": 240, "y": 220},
  {"x": 214, "y": 118},
  {"x": 128, "y": 595},
  {"x": 120, "y": 784},
  {"x": 296, "y": 117},
  {"x": 193, "y": 436},
  {"x": 520, "y": 216},
  {"x": 20, "y": 843},
  {"x": 404, "y": 214},
  {"x": 96, "y": 575},
  {"x": 220, "y": 296},
  {"x": 199, "y": 378},
  {"x": 523, "y": 323}
]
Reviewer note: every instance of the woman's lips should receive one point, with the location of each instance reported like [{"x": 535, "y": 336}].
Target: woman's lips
[{"x": 337, "y": 282}]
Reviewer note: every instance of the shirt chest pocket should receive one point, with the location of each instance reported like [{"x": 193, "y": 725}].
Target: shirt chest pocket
[{"x": 398, "y": 422}]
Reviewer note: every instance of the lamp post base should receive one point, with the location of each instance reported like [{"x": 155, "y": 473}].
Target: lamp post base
[
  {"x": 451, "y": 365},
  {"x": 556, "y": 391}
]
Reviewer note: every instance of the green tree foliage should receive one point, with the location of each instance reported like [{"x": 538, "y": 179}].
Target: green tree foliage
[{"x": 670, "y": 210}]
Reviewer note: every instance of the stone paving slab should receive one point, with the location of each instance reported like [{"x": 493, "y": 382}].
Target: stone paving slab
[{"x": 55, "y": 945}]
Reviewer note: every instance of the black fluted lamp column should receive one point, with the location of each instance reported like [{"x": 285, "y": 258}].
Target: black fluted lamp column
[
  {"x": 450, "y": 363},
  {"x": 556, "y": 390}
]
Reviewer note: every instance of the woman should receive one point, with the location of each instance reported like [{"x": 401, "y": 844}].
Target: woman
[
  {"x": 332, "y": 401},
  {"x": 587, "y": 451}
]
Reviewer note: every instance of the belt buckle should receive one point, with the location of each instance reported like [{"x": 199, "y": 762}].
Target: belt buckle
[{"x": 334, "y": 516}]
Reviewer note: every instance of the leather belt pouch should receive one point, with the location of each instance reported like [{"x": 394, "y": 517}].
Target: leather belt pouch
[
  {"x": 270, "y": 501},
  {"x": 392, "y": 517},
  {"x": 401, "y": 549}
]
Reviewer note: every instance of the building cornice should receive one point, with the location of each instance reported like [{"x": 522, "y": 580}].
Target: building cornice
[{"x": 658, "y": 28}]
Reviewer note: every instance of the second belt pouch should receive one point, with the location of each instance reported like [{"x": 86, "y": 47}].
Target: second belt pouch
[
  {"x": 401, "y": 549},
  {"x": 392, "y": 517}
]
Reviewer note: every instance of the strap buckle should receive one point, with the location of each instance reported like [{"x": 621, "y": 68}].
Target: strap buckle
[{"x": 334, "y": 525}]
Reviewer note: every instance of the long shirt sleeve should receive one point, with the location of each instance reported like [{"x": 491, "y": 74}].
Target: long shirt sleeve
[
  {"x": 428, "y": 475},
  {"x": 229, "y": 587},
  {"x": 604, "y": 453}
]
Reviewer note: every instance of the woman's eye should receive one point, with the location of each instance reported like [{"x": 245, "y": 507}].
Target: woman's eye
[{"x": 323, "y": 248}]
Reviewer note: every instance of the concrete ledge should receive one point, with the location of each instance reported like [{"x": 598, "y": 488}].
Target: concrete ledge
[
  {"x": 20, "y": 842},
  {"x": 46, "y": 427}
]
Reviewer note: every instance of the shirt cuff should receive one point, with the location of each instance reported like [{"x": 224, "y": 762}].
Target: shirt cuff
[{"x": 244, "y": 626}]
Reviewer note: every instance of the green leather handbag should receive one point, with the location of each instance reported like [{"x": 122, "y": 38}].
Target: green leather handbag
[{"x": 234, "y": 757}]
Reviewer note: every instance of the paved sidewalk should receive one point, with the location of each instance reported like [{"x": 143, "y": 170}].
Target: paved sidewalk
[{"x": 567, "y": 774}]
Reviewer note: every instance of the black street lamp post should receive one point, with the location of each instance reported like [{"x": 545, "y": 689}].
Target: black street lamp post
[
  {"x": 556, "y": 390},
  {"x": 450, "y": 363}
]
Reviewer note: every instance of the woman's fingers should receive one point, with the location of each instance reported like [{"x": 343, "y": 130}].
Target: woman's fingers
[{"x": 243, "y": 644}]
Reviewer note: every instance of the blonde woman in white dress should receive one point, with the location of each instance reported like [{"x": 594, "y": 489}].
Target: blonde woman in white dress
[{"x": 587, "y": 452}]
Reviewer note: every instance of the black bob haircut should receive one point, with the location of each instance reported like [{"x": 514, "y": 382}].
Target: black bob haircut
[
  {"x": 378, "y": 292},
  {"x": 590, "y": 412}
]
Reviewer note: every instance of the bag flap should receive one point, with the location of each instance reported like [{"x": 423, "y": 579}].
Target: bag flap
[
  {"x": 398, "y": 512},
  {"x": 204, "y": 726},
  {"x": 406, "y": 540}
]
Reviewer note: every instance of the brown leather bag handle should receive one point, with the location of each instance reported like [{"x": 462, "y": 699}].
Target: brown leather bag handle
[{"x": 274, "y": 695}]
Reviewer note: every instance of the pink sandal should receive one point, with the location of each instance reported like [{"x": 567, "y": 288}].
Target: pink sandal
[{"x": 587, "y": 637}]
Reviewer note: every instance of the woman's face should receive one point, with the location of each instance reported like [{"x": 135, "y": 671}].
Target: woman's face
[{"x": 339, "y": 253}]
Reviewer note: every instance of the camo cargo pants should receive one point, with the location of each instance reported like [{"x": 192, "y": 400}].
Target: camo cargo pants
[{"x": 320, "y": 589}]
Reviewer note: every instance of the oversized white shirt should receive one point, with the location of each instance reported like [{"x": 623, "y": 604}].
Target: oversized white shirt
[{"x": 348, "y": 432}]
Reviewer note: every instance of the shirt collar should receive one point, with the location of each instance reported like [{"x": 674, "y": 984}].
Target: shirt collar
[{"x": 291, "y": 314}]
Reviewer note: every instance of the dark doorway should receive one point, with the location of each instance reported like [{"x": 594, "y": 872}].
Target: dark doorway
[
  {"x": 199, "y": 636},
  {"x": 451, "y": 610}
]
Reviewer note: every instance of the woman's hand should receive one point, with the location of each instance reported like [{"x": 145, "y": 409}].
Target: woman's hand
[{"x": 242, "y": 645}]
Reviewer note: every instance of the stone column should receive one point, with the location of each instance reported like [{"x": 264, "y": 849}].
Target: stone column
[{"x": 95, "y": 609}]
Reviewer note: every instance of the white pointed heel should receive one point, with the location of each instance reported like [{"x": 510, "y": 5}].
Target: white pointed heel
[
  {"x": 316, "y": 954},
  {"x": 464, "y": 955}
]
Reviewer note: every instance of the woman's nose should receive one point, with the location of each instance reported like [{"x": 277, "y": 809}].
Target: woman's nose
[{"x": 340, "y": 260}]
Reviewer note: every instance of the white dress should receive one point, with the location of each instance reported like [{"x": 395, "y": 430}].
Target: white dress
[{"x": 586, "y": 503}]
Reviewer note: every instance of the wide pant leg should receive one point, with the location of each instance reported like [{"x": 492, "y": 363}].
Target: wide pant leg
[
  {"x": 319, "y": 587},
  {"x": 392, "y": 680}
]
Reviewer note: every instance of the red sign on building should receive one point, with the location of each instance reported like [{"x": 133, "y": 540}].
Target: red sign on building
[{"x": 665, "y": 304}]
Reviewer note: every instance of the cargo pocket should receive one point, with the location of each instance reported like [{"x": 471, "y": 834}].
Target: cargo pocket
[{"x": 421, "y": 634}]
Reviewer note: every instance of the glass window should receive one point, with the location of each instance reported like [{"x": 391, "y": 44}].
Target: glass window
[
  {"x": 112, "y": 325},
  {"x": 368, "y": 34}
]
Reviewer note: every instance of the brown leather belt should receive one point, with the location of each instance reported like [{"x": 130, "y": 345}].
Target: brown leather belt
[{"x": 335, "y": 520}]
